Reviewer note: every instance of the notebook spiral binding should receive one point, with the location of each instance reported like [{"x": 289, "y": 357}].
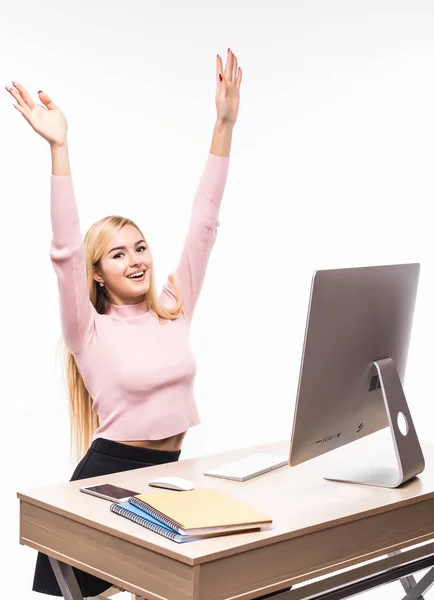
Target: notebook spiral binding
[
  {"x": 152, "y": 512},
  {"x": 141, "y": 521}
]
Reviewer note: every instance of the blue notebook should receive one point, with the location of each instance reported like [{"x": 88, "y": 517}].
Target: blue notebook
[{"x": 129, "y": 511}]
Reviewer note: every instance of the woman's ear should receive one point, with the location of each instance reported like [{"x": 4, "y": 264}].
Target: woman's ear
[{"x": 97, "y": 276}]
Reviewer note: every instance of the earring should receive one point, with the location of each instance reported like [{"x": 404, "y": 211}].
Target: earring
[{"x": 101, "y": 283}]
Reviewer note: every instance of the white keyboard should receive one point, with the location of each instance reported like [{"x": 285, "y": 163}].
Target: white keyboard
[{"x": 251, "y": 466}]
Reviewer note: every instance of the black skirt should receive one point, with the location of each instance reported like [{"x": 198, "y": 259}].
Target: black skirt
[{"x": 102, "y": 458}]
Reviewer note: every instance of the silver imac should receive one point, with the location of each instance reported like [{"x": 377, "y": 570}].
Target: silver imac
[{"x": 352, "y": 370}]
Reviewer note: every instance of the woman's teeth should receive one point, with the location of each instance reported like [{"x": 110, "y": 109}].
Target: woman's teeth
[{"x": 138, "y": 275}]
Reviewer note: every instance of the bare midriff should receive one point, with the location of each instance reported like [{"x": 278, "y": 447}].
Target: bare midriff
[{"x": 172, "y": 443}]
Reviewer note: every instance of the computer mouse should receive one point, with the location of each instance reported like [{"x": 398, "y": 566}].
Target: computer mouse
[{"x": 172, "y": 483}]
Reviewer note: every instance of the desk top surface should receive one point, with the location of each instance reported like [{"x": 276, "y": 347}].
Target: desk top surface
[{"x": 298, "y": 499}]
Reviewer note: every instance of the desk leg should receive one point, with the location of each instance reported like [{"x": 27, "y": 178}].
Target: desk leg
[
  {"x": 413, "y": 589},
  {"x": 66, "y": 580},
  {"x": 423, "y": 586},
  {"x": 409, "y": 582}
]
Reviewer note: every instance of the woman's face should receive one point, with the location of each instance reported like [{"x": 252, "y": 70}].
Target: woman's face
[{"x": 125, "y": 267}]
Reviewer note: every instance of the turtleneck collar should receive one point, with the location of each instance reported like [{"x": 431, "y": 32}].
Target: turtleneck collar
[{"x": 125, "y": 311}]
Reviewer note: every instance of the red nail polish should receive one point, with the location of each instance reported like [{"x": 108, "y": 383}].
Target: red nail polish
[{"x": 220, "y": 77}]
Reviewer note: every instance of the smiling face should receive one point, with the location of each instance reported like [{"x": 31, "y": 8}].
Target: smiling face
[{"x": 125, "y": 267}]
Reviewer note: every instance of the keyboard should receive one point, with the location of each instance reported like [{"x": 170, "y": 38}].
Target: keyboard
[{"x": 249, "y": 467}]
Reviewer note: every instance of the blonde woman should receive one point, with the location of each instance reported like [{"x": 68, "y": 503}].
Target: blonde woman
[{"x": 130, "y": 367}]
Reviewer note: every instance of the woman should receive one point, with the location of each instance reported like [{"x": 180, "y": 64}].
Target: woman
[{"x": 130, "y": 368}]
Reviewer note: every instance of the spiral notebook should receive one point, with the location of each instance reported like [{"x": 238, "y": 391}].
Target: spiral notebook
[
  {"x": 131, "y": 512},
  {"x": 200, "y": 512}
]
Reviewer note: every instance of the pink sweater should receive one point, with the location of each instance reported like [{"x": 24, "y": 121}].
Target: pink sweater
[{"x": 139, "y": 370}]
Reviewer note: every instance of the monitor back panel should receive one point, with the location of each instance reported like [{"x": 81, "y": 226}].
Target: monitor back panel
[{"x": 356, "y": 316}]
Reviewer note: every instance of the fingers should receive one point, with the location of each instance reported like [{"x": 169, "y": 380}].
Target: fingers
[
  {"x": 47, "y": 101},
  {"x": 235, "y": 68},
  {"x": 25, "y": 111},
  {"x": 239, "y": 78},
  {"x": 229, "y": 65},
  {"x": 22, "y": 111},
  {"x": 21, "y": 105},
  {"x": 24, "y": 95},
  {"x": 17, "y": 96},
  {"x": 232, "y": 73},
  {"x": 219, "y": 69}
]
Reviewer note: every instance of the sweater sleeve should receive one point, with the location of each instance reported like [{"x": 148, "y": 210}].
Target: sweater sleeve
[
  {"x": 67, "y": 255},
  {"x": 190, "y": 272}
]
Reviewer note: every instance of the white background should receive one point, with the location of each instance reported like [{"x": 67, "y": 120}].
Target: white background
[{"x": 331, "y": 167}]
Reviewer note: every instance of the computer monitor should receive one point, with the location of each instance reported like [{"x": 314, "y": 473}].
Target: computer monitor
[{"x": 353, "y": 365}]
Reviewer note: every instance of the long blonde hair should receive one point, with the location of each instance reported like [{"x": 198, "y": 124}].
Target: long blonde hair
[{"x": 83, "y": 420}]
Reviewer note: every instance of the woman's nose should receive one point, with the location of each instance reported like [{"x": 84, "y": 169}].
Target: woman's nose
[{"x": 133, "y": 259}]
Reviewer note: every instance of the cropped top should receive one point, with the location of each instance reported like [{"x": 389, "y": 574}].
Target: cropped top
[{"x": 138, "y": 369}]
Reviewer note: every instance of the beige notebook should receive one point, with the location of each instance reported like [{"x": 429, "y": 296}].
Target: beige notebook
[{"x": 200, "y": 510}]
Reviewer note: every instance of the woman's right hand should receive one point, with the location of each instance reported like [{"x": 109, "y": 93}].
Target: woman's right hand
[{"x": 47, "y": 120}]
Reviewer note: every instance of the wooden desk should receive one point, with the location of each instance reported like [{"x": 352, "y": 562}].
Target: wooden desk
[{"x": 319, "y": 527}]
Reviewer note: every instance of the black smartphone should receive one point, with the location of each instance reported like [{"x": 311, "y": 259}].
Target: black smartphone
[{"x": 107, "y": 491}]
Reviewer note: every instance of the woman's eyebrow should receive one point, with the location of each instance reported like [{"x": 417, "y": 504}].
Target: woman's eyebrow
[{"x": 124, "y": 247}]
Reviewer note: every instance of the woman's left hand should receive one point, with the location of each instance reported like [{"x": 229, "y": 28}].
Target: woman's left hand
[{"x": 228, "y": 89}]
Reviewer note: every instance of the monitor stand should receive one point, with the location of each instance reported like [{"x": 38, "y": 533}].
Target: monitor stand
[{"x": 409, "y": 457}]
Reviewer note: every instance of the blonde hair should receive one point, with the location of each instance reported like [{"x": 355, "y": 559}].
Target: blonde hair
[{"x": 83, "y": 420}]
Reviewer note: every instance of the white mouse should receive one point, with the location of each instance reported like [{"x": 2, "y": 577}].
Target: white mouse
[{"x": 172, "y": 483}]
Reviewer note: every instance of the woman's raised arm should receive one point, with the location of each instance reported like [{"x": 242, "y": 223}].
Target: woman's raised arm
[{"x": 67, "y": 248}]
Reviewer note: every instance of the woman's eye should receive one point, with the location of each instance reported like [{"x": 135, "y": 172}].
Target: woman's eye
[
  {"x": 118, "y": 255},
  {"x": 141, "y": 248}
]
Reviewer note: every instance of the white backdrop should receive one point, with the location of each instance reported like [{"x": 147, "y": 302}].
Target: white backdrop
[{"x": 331, "y": 167}]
